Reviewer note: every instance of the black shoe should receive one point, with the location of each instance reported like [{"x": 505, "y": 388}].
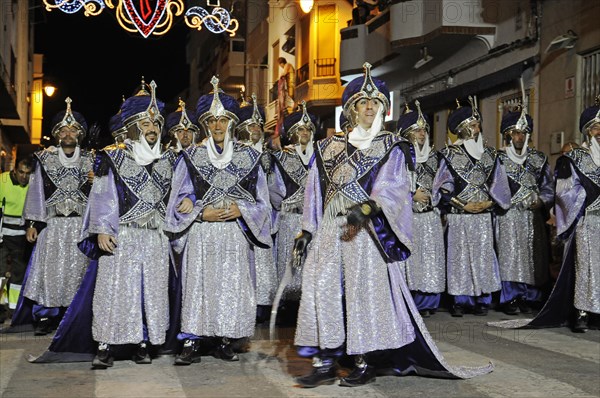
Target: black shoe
[
  {"x": 511, "y": 307},
  {"x": 480, "y": 310},
  {"x": 103, "y": 358},
  {"x": 457, "y": 310},
  {"x": 43, "y": 327},
  {"x": 524, "y": 307},
  {"x": 361, "y": 375},
  {"x": 323, "y": 373},
  {"x": 581, "y": 322},
  {"x": 225, "y": 352},
  {"x": 424, "y": 313},
  {"x": 593, "y": 321},
  {"x": 189, "y": 354},
  {"x": 142, "y": 356}
]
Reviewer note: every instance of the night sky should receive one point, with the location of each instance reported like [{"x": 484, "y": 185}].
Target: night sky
[{"x": 111, "y": 64}]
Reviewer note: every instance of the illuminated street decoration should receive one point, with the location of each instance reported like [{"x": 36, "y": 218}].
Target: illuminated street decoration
[
  {"x": 218, "y": 21},
  {"x": 146, "y": 20},
  {"x": 92, "y": 7},
  {"x": 152, "y": 17}
]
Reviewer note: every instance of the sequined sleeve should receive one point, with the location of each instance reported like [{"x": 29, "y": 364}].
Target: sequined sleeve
[
  {"x": 499, "y": 187},
  {"x": 569, "y": 201},
  {"x": 256, "y": 217},
  {"x": 35, "y": 201},
  {"x": 103, "y": 206},
  {"x": 181, "y": 187},
  {"x": 443, "y": 184},
  {"x": 313, "y": 202},
  {"x": 391, "y": 191},
  {"x": 546, "y": 184}
]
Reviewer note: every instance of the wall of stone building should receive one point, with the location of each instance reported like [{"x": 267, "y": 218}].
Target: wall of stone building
[{"x": 561, "y": 110}]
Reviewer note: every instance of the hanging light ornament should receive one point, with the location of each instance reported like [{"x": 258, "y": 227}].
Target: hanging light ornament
[
  {"x": 141, "y": 17},
  {"x": 218, "y": 21}
]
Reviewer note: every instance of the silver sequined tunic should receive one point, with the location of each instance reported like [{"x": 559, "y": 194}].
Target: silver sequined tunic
[
  {"x": 522, "y": 251},
  {"x": 132, "y": 284},
  {"x": 426, "y": 266},
  {"x": 218, "y": 297},
  {"x": 57, "y": 266},
  {"x": 356, "y": 269},
  {"x": 266, "y": 275}
]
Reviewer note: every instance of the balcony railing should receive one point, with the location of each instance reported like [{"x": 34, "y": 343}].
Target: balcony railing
[
  {"x": 325, "y": 67},
  {"x": 302, "y": 74}
]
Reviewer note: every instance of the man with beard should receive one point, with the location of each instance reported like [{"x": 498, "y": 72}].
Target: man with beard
[
  {"x": 56, "y": 200},
  {"x": 522, "y": 239},
  {"x": 426, "y": 267},
  {"x": 126, "y": 209},
  {"x": 469, "y": 183},
  {"x": 250, "y": 130},
  {"x": 287, "y": 197},
  {"x": 220, "y": 200},
  {"x": 179, "y": 125},
  {"x": 13, "y": 244}
]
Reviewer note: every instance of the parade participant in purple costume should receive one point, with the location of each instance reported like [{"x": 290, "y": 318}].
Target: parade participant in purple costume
[
  {"x": 358, "y": 208},
  {"x": 575, "y": 298},
  {"x": 522, "y": 237},
  {"x": 249, "y": 130},
  {"x": 220, "y": 200},
  {"x": 179, "y": 125},
  {"x": 287, "y": 194},
  {"x": 56, "y": 200},
  {"x": 470, "y": 183},
  {"x": 127, "y": 204},
  {"x": 426, "y": 266}
]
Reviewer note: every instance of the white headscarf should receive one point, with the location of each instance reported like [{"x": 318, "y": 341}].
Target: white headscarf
[
  {"x": 594, "y": 148},
  {"x": 220, "y": 160},
  {"x": 69, "y": 161},
  {"x": 474, "y": 148},
  {"x": 361, "y": 138},
  {"x": 512, "y": 154},
  {"x": 422, "y": 154},
  {"x": 142, "y": 153},
  {"x": 308, "y": 152}
]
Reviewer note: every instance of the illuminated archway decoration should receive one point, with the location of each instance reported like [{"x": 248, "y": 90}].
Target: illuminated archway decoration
[{"x": 152, "y": 17}]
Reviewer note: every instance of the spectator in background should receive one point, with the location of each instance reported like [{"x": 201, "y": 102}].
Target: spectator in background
[
  {"x": 13, "y": 254},
  {"x": 288, "y": 77}
]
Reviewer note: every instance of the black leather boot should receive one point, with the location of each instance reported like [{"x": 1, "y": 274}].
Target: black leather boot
[
  {"x": 457, "y": 311},
  {"x": 142, "y": 355},
  {"x": 190, "y": 353},
  {"x": 581, "y": 322},
  {"x": 225, "y": 351},
  {"x": 103, "y": 357},
  {"x": 362, "y": 374},
  {"x": 323, "y": 373}
]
